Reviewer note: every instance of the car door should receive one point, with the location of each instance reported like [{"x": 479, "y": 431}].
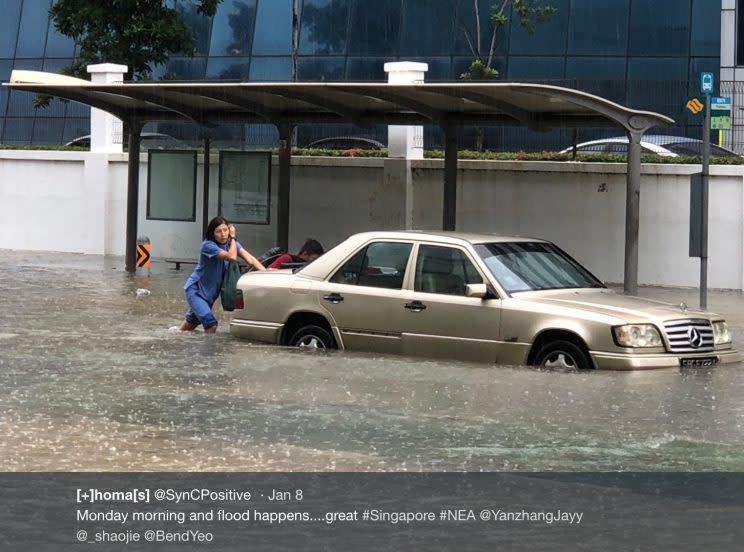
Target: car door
[
  {"x": 440, "y": 321},
  {"x": 364, "y": 293}
]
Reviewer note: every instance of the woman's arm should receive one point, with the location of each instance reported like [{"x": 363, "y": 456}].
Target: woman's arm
[
  {"x": 250, "y": 259},
  {"x": 231, "y": 254},
  {"x": 232, "y": 251}
]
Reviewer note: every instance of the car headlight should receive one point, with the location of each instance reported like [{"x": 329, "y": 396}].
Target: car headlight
[
  {"x": 637, "y": 335},
  {"x": 721, "y": 333}
]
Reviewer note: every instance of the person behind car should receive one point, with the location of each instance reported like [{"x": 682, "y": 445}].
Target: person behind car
[
  {"x": 202, "y": 288},
  {"x": 309, "y": 251}
]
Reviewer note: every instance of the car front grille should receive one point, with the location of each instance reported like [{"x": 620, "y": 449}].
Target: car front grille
[{"x": 689, "y": 335}]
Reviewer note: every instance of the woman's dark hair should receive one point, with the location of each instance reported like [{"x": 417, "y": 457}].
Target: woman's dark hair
[
  {"x": 213, "y": 224},
  {"x": 311, "y": 247}
]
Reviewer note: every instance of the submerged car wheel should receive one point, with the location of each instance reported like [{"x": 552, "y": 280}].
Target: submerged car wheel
[
  {"x": 563, "y": 355},
  {"x": 312, "y": 337}
]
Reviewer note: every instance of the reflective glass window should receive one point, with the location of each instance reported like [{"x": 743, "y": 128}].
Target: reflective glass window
[
  {"x": 9, "y": 28},
  {"x": 54, "y": 65},
  {"x": 321, "y": 68},
  {"x": 271, "y": 69},
  {"x": 3, "y": 102},
  {"x": 18, "y": 130},
  {"x": 323, "y": 26},
  {"x": 33, "y": 28},
  {"x": 660, "y": 27},
  {"x": 198, "y": 23},
  {"x": 6, "y": 67},
  {"x": 187, "y": 68},
  {"x": 232, "y": 28},
  {"x": 439, "y": 67},
  {"x": 549, "y": 38},
  {"x": 76, "y": 109},
  {"x": 595, "y": 68},
  {"x": 598, "y": 28},
  {"x": 273, "y": 35},
  {"x": 536, "y": 68},
  {"x": 48, "y": 130},
  {"x": 227, "y": 68},
  {"x": 650, "y": 69},
  {"x": 59, "y": 45},
  {"x": 75, "y": 127},
  {"x": 366, "y": 69},
  {"x": 375, "y": 27},
  {"x": 426, "y": 31},
  {"x": 465, "y": 28},
  {"x": 706, "y": 29},
  {"x": 462, "y": 64},
  {"x": 657, "y": 84}
]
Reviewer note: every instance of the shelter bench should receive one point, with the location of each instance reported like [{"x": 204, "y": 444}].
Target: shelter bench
[{"x": 179, "y": 262}]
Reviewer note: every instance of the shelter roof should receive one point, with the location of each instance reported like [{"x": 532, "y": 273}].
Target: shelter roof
[{"x": 537, "y": 106}]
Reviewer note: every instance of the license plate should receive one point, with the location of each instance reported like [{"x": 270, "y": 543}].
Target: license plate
[{"x": 699, "y": 361}]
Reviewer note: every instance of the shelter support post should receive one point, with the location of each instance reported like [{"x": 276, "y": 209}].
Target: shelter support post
[
  {"x": 632, "y": 213},
  {"x": 283, "y": 193},
  {"x": 449, "y": 195},
  {"x": 205, "y": 200},
  {"x": 133, "y": 165}
]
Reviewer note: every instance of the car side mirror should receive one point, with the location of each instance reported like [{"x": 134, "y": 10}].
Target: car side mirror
[{"x": 476, "y": 290}]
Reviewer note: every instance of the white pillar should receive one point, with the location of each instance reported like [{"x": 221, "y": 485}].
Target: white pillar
[
  {"x": 406, "y": 142},
  {"x": 105, "y": 129}
]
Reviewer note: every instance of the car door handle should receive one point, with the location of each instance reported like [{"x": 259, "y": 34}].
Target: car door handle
[
  {"x": 334, "y": 298},
  {"x": 415, "y": 306}
]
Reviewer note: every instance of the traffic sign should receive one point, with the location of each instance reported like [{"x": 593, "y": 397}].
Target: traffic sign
[
  {"x": 695, "y": 105},
  {"x": 706, "y": 83},
  {"x": 720, "y": 113}
]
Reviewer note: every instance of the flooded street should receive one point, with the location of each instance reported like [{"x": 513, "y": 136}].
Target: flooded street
[{"x": 91, "y": 379}]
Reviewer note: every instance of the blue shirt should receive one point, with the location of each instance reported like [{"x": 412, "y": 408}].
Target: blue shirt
[{"x": 210, "y": 271}]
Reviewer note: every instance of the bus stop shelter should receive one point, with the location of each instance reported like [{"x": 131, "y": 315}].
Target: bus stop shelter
[{"x": 285, "y": 104}]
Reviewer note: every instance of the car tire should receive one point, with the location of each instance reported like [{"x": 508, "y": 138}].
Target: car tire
[
  {"x": 563, "y": 355},
  {"x": 312, "y": 337}
]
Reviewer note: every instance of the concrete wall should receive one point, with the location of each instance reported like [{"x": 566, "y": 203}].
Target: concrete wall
[{"x": 69, "y": 201}]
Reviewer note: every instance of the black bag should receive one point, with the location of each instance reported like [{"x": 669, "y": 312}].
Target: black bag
[{"x": 230, "y": 286}]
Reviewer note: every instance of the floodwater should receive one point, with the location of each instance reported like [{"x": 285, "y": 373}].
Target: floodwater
[{"x": 91, "y": 379}]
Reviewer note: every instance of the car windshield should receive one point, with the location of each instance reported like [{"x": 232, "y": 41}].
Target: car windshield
[{"x": 530, "y": 266}]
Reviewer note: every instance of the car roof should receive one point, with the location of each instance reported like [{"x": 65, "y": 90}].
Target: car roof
[
  {"x": 652, "y": 141},
  {"x": 321, "y": 267}
]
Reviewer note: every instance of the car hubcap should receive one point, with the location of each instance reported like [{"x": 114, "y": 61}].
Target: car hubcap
[
  {"x": 310, "y": 342},
  {"x": 559, "y": 360}
]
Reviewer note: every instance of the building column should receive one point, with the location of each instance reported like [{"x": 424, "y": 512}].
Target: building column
[
  {"x": 105, "y": 129},
  {"x": 406, "y": 142}
]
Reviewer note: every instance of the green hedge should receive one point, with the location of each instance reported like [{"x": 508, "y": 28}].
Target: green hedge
[{"x": 468, "y": 154}]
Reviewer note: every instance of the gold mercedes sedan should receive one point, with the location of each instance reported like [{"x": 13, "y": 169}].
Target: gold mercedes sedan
[{"x": 501, "y": 300}]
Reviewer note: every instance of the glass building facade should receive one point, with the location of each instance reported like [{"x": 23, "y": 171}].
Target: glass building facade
[{"x": 645, "y": 54}]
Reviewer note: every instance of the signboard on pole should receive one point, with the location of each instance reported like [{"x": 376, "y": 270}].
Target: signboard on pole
[
  {"x": 720, "y": 113},
  {"x": 706, "y": 83}
]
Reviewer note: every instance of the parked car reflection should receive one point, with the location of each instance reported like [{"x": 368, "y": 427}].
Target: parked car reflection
[{"x": 666, "y": 146}]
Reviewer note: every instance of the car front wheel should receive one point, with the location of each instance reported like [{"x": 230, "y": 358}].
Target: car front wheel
[
  {"x": 312, "y": 337},
  {"x": 563, "y": 355}
]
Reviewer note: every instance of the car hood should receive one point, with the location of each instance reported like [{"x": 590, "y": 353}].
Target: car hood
[{"x": 606, "y": 302}]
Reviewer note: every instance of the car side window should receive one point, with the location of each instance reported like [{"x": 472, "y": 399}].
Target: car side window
[
  {"x": 444, "y": 270},
  {"x": 380, "y": 264}
]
